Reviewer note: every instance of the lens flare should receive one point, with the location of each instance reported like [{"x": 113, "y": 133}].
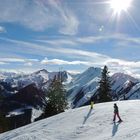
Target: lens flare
[{"x": 120, "y": 5}]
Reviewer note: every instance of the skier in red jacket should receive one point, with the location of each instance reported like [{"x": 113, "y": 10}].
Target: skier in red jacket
[{"x": 116, "y": 113}]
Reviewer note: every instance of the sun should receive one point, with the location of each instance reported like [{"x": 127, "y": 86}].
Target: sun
[{"x": 120, "y": 5}]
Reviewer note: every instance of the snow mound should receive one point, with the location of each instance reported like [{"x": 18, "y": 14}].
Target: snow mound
[{"x": 84, "y": 124}]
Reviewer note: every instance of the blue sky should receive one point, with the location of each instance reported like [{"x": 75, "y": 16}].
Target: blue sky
[{"x": 68, "y": 35}]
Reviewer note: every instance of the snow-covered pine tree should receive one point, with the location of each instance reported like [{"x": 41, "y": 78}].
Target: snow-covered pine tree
[
  {"x": 104, "y": 90},
  {"x": 56, "y": 97}
]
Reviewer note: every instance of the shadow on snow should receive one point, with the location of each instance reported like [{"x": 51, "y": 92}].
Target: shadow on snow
[
  {"x": 115, "y": 129},
  {"x": 86, "y": 117}
]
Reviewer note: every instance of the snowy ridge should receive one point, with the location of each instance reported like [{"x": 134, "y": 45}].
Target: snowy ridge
[
  {"x": 84, "y": 124},
  {"x": 81, "y": 87},
  {"x": 125, "y": 86},
  {"x": 121, "y": 80},
  {"x": 84, "y": 85},
  {"x": 39, "y": 78},
  {"x": 86, "y": 76},
  {"x": 134, "y": 93}
]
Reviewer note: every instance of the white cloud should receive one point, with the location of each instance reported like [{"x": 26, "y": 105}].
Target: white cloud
[
  {"x": 118, "y": 62},
  {"x": 2, "y": 63},
  {"x": 19, "y": 71},
  {"x": 43, "y": 49},
  {"x": 2, "y": 29},
  {"x": 74, "y": 41},
  {"x": 18, "y": 60},
  {"x": 59, "y": 42},
  {"x": 121, "y": 39},
  {"x": 39, "y": 15},
  {"x": 85, "y": 58},
  {"x": 115, "y": 65},
  {"x": 28, "y": 64},
  {"x": 12, "y": 60},
  {"x": 70, "y": 26},
  {"x": 129, "y": 67},
  {"x": 63, "y": 62},
  {"x": 90, "y": 39}
]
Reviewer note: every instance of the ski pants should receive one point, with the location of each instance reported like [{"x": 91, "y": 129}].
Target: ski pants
[{"x": 116, "y": 114}]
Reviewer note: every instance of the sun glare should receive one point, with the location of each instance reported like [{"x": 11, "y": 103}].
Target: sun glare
[{"x": 120, "y": 5}]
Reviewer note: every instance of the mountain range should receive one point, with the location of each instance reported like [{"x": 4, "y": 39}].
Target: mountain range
[{"x": 26, "y": 89}]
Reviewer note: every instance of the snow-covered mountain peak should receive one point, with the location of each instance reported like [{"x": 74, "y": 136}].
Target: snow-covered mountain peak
[
  {"x": 92, "y": 70},
  {"x": 79, "y": 86},
  {"x": 123, "y": 77},
  {"x": 83, "y": 85},
  {"x": 88, "y": 75},
  {"x": 42, "y": 71},
  {"x": 124, "y": 86}
]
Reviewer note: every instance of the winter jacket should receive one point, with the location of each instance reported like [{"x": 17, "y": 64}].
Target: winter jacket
[
  {"x": 92, "y": 103},
  {"x": 116, "y": 109}
]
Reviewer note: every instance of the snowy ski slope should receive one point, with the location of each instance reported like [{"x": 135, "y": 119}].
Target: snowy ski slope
[{"x": 84, "y": 124}]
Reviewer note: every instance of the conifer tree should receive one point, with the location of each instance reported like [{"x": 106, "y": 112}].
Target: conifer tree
[
  {"x": 56, "y": 98},
  {"x": 104, "y": 90}
]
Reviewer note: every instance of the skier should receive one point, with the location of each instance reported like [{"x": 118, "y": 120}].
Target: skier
[
  {"x": 116, "y": 112},
  {"x": 91, "y": 104}
]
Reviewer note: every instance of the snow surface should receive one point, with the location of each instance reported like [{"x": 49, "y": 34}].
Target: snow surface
[
  {"x": 35, "y": 114},
  {"x": 84, "y": 124}
]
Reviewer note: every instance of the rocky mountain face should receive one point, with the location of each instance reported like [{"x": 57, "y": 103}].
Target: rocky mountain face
[
  {"x": 124, "y": 86},
  {"x": 23, "y": 89},
  {"x": 12, "y": 84},
  {"x": 84, "y": 87}
]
